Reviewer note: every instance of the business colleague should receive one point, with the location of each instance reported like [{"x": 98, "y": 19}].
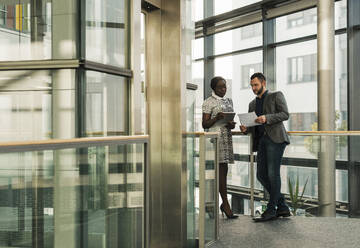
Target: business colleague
[
  {"x": 270, "y": 140},
  {"x": 213, "y": 108}
]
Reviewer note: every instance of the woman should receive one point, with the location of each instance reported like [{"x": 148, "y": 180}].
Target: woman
[{"x": 213, "y": 108}]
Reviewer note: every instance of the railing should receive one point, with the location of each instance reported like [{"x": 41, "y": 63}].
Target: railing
[
  {"x": 320, "y": 157},
  {"x": 87, "y": 192},
  {"x": 202, "y": 225}
]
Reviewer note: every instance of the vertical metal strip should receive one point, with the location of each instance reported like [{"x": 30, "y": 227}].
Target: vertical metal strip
[
  {"x": 81, "y": 47},
  {"x": 252, "y": 177},
  {"x": 37, "y": 203},
  {"x": 353, "y": 47},
  {"x": 217, "y": 189},
  {"x": 202, "y": 192},
  {"x": 146, "y": 240}
]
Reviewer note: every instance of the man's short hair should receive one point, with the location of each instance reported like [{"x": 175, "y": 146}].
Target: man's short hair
[
  {"x": 214, "y": 82},
  {"x": 258, "y": 75}
]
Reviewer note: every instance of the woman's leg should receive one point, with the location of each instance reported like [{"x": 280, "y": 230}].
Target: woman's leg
[{"x": 223, "y": 170}]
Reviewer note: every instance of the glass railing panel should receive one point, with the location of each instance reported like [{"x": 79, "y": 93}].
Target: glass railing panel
[
  {"x": 202, "y": 186},
  {"x": 335, "y": 152},
  {"x": 239, "y": 172},
  {"x": 192, "y": 210},
  {"x": 83, "y": 197},
  {"x": 211, "y": 191}
]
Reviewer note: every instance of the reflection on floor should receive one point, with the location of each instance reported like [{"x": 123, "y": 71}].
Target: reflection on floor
[{"x": 289, "y": 232}]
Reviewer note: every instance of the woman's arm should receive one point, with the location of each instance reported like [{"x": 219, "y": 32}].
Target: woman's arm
[{"x": 207, "y": 122}]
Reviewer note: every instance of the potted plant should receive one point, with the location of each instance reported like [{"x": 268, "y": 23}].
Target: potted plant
[{"x": 295, "y": 197}]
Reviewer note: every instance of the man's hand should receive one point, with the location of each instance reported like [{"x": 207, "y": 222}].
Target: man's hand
[
  {"x": 261, "y": 119},
  {"x": 243, "y": 128},
  {"x": 231, "y": 124}
]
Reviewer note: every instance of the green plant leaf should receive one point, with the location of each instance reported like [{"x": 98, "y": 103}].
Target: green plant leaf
[
  {"x": 297, "y": 191},
  {"x": 291, "y": 191},
  {"x": 304, "y": 189}
]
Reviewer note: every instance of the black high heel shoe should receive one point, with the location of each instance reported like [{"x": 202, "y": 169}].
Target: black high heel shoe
[{"x": 231, "y": 216}]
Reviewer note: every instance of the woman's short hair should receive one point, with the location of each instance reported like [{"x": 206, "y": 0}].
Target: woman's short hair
[{"x": 214, "y": 82}]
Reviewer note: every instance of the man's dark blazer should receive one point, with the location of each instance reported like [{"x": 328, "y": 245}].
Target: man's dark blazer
[{"x": 276, "y": 111}]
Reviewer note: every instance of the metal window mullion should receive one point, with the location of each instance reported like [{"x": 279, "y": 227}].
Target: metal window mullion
[
  {"x": 39, "y": 64},
  {"x": 146, "y": 205},
  {"x": 209, "y": 64},
  {"x": 104, "y": 68},
  {"x": 269, "y": 57},
  {"x": 202, "y": 192},
  {"x": 82, "y": 28},
  {"x": 252, "y": 185},
  {"x": 353, "y": 49},
  {"x": 236, "y": 52},
  {"x": 217, "y": 189}
]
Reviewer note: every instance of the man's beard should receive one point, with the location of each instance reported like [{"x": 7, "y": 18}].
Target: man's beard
[{"x": 260, "y": 90}]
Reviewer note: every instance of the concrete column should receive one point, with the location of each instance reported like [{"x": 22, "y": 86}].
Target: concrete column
[
  {"x": 66, "y": 173},
  {"x": 326, "y": 106}
]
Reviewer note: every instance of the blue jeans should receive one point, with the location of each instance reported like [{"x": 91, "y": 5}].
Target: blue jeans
[{"x": 269, "y": 157}]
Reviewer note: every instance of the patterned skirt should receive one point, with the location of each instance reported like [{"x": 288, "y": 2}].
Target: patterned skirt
[{"x": 226, "y": 153}]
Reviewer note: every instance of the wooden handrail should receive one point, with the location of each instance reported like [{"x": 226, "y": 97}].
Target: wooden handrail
[{"x": 51, "y": 144}]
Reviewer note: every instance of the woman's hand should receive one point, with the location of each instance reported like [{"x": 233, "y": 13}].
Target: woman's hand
[
  {"x": 230, "y": 125},
  {"x": 219, "y": 116},
  {"x": 207, "y": 122}
]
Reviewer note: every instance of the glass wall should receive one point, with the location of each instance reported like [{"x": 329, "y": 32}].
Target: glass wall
[
  {"x": 85, "y": 197},
  {"x": 294, "y": 48}
]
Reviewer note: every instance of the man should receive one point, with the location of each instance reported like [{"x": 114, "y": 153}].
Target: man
[{"x": 270, "y": 140}]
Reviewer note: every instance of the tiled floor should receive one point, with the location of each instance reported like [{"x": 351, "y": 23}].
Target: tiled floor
[{"x": 293, "y": 232}]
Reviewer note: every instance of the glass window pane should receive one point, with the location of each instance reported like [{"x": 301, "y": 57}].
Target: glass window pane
[
  {"x": 26, "y": 30},
  {"x": 106, "y": 104},
  {"x": 197, "y": 10},
  {"x": 107, "y": 32},
  {"x": 299, "y": 82},
  {"x": 341, "y": 81},
  {"x": 296, "y": 25},
  {"x": 238, "y": 39},
  {"x": 296, "y": 85},
  {"x": 222, "y": 6},
  {"x": 31, "y": 103},
  {"x": 340, "y": 14},
  {"x": 198, "y": 48},
  {"x": 198, "y": 79},
  {"x": 230, "y": 68}
]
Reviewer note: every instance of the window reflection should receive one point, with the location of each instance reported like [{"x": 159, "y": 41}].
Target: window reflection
[
  {"x": 106, "y": 32},
  {"x": 238, "y": 39},
  {"x": 25, "y": 30},
  {"x": 106, "y": 104},
  {"x": 236, "y": 70},
  {"x": 222, "y": 6},
  {"x": 29, "y": 100}
]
